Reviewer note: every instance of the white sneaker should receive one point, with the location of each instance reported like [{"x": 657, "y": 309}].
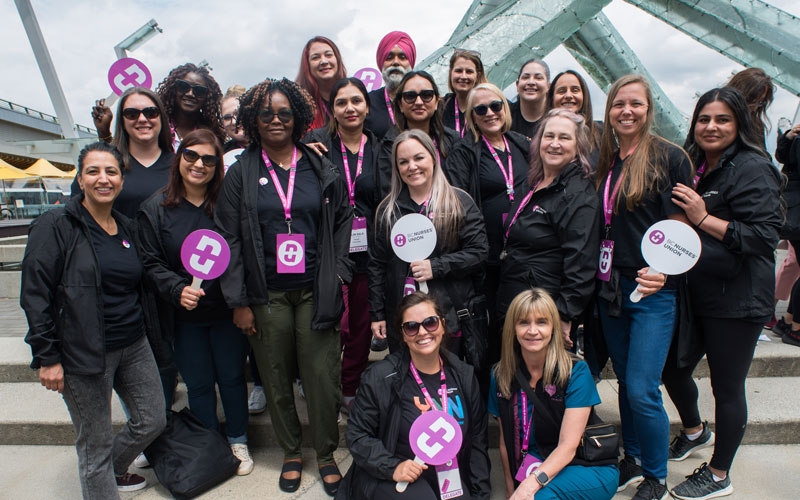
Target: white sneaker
[
  {"x": 257, "y": 402},
  {"x": 141, "y": 461},
  {"x": 246, "y": 464}
]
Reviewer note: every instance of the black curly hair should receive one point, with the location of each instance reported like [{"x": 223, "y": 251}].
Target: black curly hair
[
  {"x": 253, "y": 100},
  {"x": 209, "y": 113}
]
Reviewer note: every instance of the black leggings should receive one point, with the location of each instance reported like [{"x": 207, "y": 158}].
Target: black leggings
[
  {"x": 794, "y": 298},
  {"x": 729, "y": 345}
]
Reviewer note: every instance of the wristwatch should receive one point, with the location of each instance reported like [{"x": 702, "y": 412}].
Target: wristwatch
[{"x": 541, "y": 477}]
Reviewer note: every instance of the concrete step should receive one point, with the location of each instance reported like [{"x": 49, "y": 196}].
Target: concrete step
[{"x": 31, "y": 415}]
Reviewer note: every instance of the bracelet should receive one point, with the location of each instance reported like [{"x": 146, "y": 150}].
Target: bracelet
[{"x": 701, "y": 221}]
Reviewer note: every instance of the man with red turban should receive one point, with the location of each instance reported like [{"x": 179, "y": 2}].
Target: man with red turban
[{"x": 395, "y": 57}]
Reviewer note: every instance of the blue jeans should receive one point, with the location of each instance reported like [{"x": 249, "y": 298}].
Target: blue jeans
[
  {"x": 638, "y": 343},
  {"x": 102, "y": 454},
  {"x": 210, "y": 354},
  {"x": 576, "y": 482}
]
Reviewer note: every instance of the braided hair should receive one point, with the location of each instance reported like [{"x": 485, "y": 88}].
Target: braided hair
[
  {"x": 209, "y": 113},
  {"x": 253, "y": 100}
]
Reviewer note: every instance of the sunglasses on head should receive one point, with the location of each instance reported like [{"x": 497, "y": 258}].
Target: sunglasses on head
[
  {"x": 208, "y": 160},
  {"x": 133, "y": 113},
  {"x": 482, "y": 109},
  {"x": 410, "y": 97},
  {"x": 411, "y": 328},
  {"x": 199, "y": 91},
  {"x": 468, "y": 52},
  {"x": 284, "y": 115}
]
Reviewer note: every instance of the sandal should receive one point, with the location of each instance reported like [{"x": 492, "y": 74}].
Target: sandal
[
  {"x": 329, "y": 470},
  {"x": 290, "y": 485}
]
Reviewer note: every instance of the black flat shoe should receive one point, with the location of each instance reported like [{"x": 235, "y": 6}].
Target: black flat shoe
[
  {"x": 330, "y": 470},
  {"x": 290, "y": 485}
]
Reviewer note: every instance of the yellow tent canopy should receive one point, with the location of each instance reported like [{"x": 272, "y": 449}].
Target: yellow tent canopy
[
  {"x": 8, "y": 171},
  {"x": 44, "y": 168}
]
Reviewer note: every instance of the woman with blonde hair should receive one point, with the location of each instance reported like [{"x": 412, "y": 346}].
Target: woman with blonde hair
[
  {"x": 453, "y": 272},
  {"x": 534, "y": 351}
]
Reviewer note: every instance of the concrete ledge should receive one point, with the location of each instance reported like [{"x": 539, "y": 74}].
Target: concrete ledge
[{"x": 9, "y": 284}]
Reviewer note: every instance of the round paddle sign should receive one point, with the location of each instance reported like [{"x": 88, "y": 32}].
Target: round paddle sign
[
  {"x": 670, "y": 247},
  {"x": 128, "y": 72},
  {"x": 435, "y": 437},
  {"x": 205, "y": 254},
  {"x": 370, "y": 77},
  {"x": 413, "y": 237}
]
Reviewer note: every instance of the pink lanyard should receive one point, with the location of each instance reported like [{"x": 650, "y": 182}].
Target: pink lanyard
[
  {"x": 520, "y": 208},
  {"x": 389, "y": 105},
  {"x": 438, "y": 155},
  {"x": 458, "y": 114},
  {"x": 526, "y": 422},
  {"x": 286, "y": 200},
  {"x": 424, "y": 389},
  {"x": 351, "y": 182},
  {"x": 508, "y": 176},
  {"x": 608, "y": 204},
  {"x": 700, "y": 172}
]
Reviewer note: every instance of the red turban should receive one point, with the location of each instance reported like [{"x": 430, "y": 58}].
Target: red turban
[{"x": 400, "y": 39}]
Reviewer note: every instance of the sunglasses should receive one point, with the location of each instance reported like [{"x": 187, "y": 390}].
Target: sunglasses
[
  {"x": 192, "y": 156},
  {"x": 410, "y": 97},
  {"x": 199, "y": 91},
  {"x": 411, "y": 328},
  {"x": 284, "y": 115},
  {"x": 229, "y": 118},
  {"x": 133, "y": 113},
  {"x": 482, "y": 109}
]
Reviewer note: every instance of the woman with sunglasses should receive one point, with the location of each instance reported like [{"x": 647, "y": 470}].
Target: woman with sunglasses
[
  {"x": 208, "y": 348},
  {"x": 533, "y": 82},
  {"x": 394, "y": 392},
  {"x": 492, "y": 166},
  {"x": 543, "y": 433},
  {"x": 321, "y": 66},
  {"x": 551, "y": 237},
  {"x": 466, "y": 71},
  {"x": 569, "y": 91},
  {"x": 453, "y": 272},
  {"x": 353, "y": 149},
  {"x": 284, "y": 211}
]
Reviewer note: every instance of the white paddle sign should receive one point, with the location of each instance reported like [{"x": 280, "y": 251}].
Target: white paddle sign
[{"x": 413, "y": 238}]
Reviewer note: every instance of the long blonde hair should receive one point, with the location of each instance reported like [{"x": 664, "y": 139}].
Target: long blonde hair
[
  {"x": 444, "y": 208},
  {"x": 558, "y": 364}
]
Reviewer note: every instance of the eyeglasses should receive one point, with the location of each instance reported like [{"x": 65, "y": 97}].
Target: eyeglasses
[
  {"x": 133, "y": 113},
  {"x": 192, "y": 156},
  {"x": 410, "y": 97},
  {"x": 199, "y": 91},
  {"x": 284, "y": 115},
  {"x": 482, "y": 109},
  {"x": 411, "y": 328},
  {"x": 229, "y": 118}
]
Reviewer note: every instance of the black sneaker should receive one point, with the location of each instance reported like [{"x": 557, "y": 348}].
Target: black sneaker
[
  {"x": 650, "y": 489},
  {"x": 629, "y": 472},
  {"x": 791, "y": 337},
  {"x": 781, "y": 328},
  {"x": 131, "y": 482},
  {"x": 681, "y": 446},
  {"x": 378, "y": 345},
  {"x": 701, "y": 485}
]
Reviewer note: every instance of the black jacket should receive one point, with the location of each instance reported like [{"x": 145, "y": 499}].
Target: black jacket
[
  {"x": 236, "y": 215},
  {"x": 563, "y": 260},
  {"x": 735, "y": 277},
  {"x": 61, "y": 293},
  {"x": 460, "y": 269},
  {"x": 374, "y": 425},
  {"x": 463, "y": 163}
]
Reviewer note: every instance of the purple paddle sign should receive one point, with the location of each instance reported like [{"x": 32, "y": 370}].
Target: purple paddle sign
[
  {"x": 128, "y": 72},
  {"x": 435, "y": 438},
  {"x": 206, "y": 255},
  {"x": 370, "y": 77}
]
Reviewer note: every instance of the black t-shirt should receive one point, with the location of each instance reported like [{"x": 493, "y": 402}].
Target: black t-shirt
[
  {"x": 306, "y": 211},
  {"x": 178, "y": 222},
  {"x": 120, "y": 275},
  {"x": 628, "y": 226},
  {"x": 378, "y": 120},
  {"x": 449, "y": 115},
  {"x": 494, "y": 199},
  {"x": 520, "y": 124}
]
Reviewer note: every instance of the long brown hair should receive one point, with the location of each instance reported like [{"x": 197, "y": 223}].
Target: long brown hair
[
  {"x": 175, "y": 190},
  {"x": 121, "y": 136}
]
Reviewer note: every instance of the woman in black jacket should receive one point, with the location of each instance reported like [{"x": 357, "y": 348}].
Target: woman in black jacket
[
  {"x": 736, "y": 211},
  {"x": 88, "y": 320},
  {"x": 453, "y": 272},
  {"x": 552, "y": 234},
  {"x": 209, "y": 350},
  {"x": 391, "y": 397},
  {"x": 284, "y": 212}
]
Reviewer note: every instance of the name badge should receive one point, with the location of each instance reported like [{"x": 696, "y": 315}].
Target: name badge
[
  {"x": 529, "y": 464},
  {"x": 358, "y": 236},
  {"x": 606, "y": 258},
  {"x": 410, "y": 286},
  {"x": 291, "y": 252},
  {"x": 449, "y": 480}
]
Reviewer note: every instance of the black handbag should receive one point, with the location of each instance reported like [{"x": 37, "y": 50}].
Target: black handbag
[
  {"x": 600, "y": 441},
  {"x": 473, "y": 320},
  {"x": 189, "y": 458}
]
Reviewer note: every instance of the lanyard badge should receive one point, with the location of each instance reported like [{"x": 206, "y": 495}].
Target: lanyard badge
[{"x": 290, "y": 249}]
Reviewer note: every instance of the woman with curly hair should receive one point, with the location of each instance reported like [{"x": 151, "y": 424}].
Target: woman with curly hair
[
  {"x": 321, "y": 66},
  {"x": 284, "y": 211}
]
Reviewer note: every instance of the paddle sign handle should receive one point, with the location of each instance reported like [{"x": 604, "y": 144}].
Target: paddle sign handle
[
  {"x": 423, "y": 286},
  {"x": 636, "y": 295},
  {"x": 402, "y": 485},
  {"x": 196, "y": 283}
]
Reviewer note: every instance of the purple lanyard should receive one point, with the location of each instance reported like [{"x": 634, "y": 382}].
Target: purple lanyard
[
  {"x": 438, "y": 155},
  {"x": 286, "y": 199},
  {"x": 424, "y": 389},
  {"x": 508, "y": 176},
  {"x": 520, "y": 208},
  {"x": 458, "y": 114},
  {"x": 351, "y": 182},
  {"x": 608, "y": 204},
  {"x": 700, "y": 172},
  {"x": 526, "y": 422},
  {"x": 389, "y": 105}
]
